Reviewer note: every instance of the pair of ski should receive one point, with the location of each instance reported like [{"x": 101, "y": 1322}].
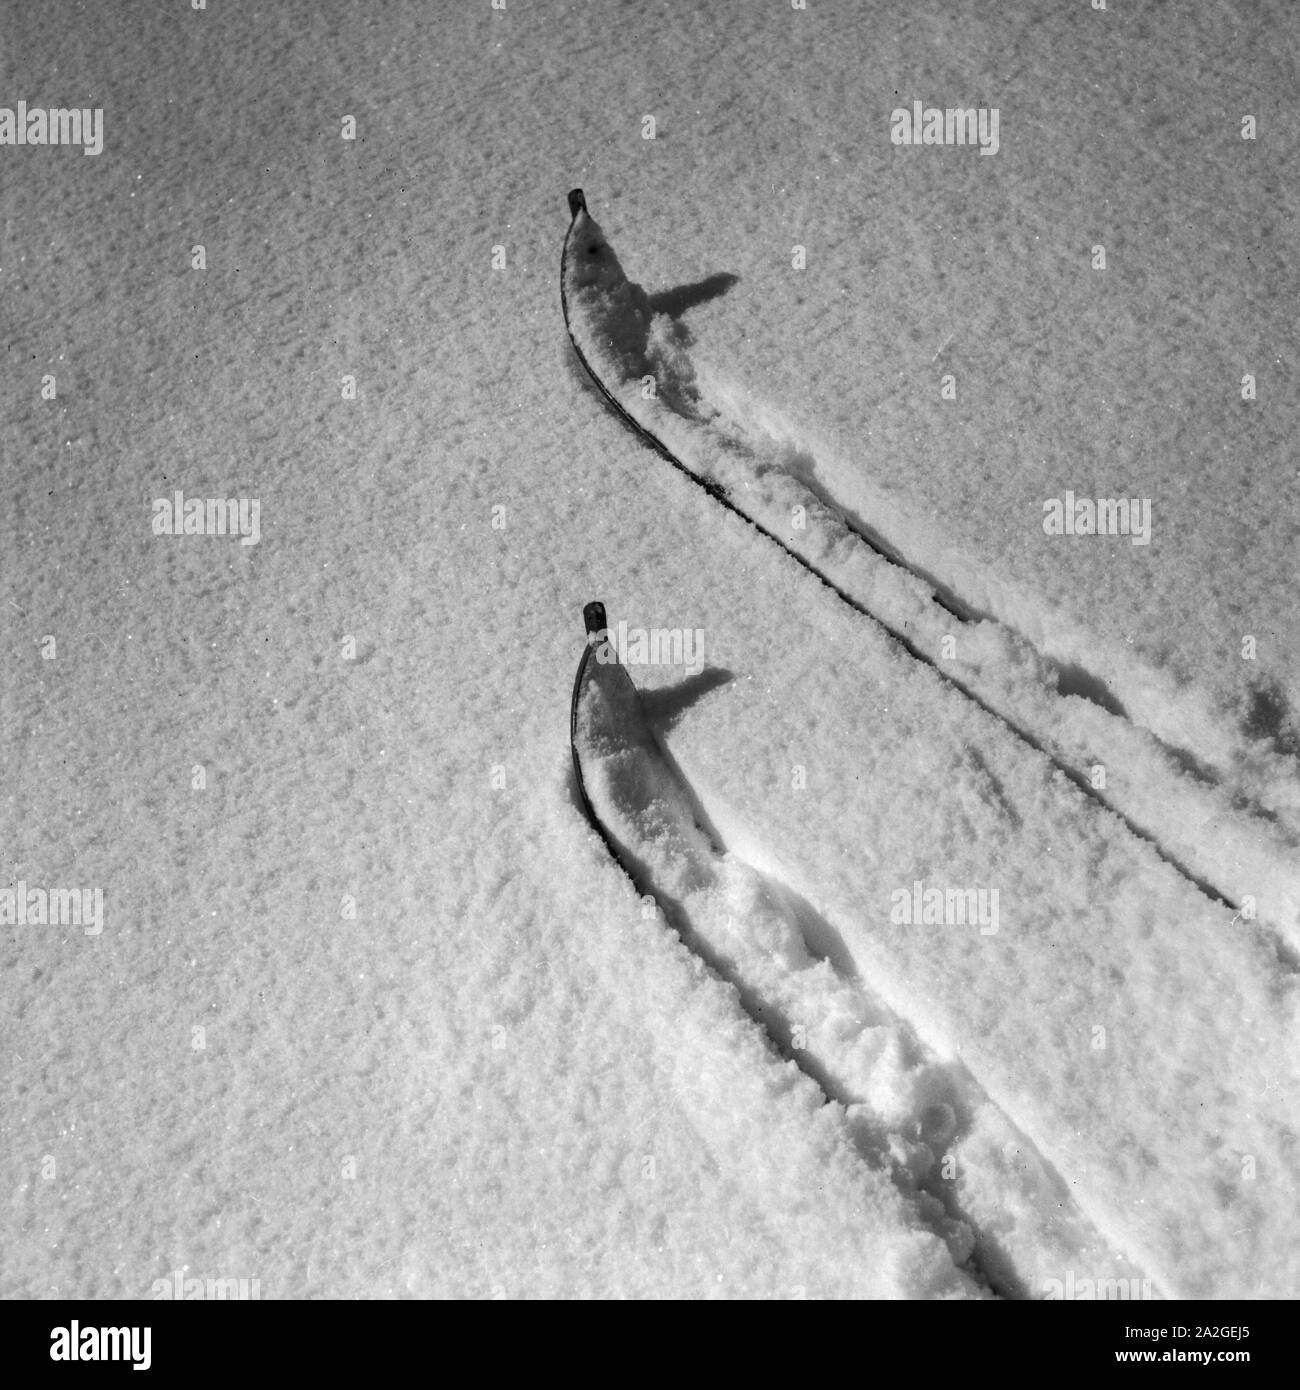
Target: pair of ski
[
  {"x": 615, "y": 315},
  {"x": 622, "y": 344}
]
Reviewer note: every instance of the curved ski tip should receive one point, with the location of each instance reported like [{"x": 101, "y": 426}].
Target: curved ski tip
[
  {"x": 594, "y": 617},
  {"x": 577, "y": 203}
]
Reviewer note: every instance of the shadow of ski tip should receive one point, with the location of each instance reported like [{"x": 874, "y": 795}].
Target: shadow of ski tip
[
  {"x": 676, "y": 302},
  {"x": 665, "y": 706}
]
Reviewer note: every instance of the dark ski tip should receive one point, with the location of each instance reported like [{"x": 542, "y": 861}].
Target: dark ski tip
[
  {"x": 577, "y": 203},
  {"x": 594, "y": 617}
]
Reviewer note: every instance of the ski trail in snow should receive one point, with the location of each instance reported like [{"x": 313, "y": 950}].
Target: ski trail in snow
[
  {"x": 1216, "y": 836},
  {"x": 976, "y": 1180},
  {"x": 751, "y": 461}
]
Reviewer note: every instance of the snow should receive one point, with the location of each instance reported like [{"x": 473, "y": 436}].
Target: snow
[{"x": 373, "y": 1012}]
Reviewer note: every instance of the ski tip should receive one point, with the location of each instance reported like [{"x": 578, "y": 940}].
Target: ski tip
[
  {"x": 594, "y": 617},
  {"x": 577, "y": 203}
]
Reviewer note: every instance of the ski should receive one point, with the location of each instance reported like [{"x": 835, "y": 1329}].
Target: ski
[
  {"x": 607, "y": 720},
  {"x": 590, "y": 270},
  {"x": 604, "y": 708},
  {"x": 593, "y": 615},
  {"x": 586, "y": 261}
]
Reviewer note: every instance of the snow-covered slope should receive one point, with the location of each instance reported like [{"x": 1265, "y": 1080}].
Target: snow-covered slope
[{"x": 372, "y": 1012}]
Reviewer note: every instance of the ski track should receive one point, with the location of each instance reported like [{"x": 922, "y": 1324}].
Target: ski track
[
  {"x": 979, "y": 1181},
  {"x": 1216, "y": 838},
  {"x": 952, "y": 1118}
]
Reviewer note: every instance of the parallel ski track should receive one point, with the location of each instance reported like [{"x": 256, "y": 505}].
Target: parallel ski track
[{"x": 720, "y": 496}]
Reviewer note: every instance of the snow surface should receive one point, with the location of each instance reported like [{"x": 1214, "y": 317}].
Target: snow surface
[{"x": 446, "y": 1049}]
